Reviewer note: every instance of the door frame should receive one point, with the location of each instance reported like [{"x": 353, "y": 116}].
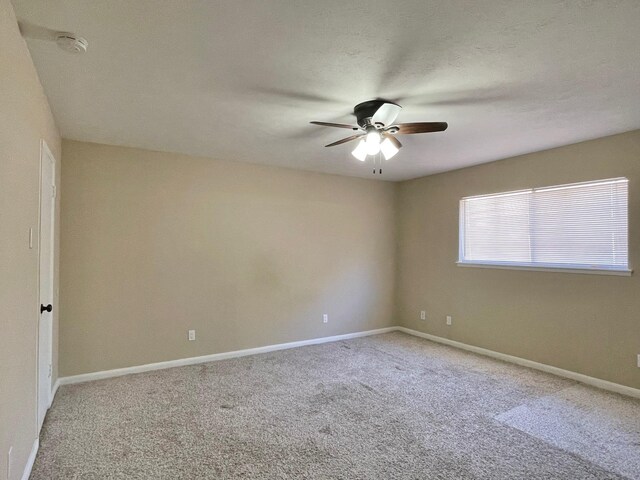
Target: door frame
[{"x": 45, "y": 363}]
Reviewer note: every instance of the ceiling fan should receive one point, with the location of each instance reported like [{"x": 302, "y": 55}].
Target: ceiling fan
[{"x": 377, "y": 130}]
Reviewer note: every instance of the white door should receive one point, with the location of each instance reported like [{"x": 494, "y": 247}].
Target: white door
[{"x": 45, "y": 327}]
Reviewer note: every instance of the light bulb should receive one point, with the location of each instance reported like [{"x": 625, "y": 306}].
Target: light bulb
[
  {"x": 373, "y": 149},
  {"x": 388, "y": 149},
  {"x": 373, "y": 136},
  {"x": 360, "y": 152},
  {"x": 373, "y": 142}
]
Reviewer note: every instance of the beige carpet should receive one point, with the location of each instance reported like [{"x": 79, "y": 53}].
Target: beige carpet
[{"x": 385, "y": 407}]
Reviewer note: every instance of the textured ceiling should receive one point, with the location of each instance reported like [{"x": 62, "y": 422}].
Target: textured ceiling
[{"x": 240, "y": 79}]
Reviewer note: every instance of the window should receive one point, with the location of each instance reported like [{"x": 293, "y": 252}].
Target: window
[{"x": 582, "y": 226}]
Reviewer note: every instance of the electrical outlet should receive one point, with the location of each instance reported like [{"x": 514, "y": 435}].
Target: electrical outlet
[
  {"x": 192, "y": 335},
  {"x": 423, "y": 315},
  {"x": 325, "y": 318},
  {"x": 639, "y": 360},
  {"x": 449, "y": 321}
]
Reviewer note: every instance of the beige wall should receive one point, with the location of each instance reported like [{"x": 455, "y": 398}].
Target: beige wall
[
  {"x": 155, "y": 244},
  {"x": 25, "y": 118},
  {"x": 584, "y": 323}
]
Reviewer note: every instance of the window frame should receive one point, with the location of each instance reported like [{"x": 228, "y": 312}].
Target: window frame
[{"x": 537, "y": 266}]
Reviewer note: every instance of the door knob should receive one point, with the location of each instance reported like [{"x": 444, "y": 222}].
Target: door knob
[{"x": 48, "y": 308}]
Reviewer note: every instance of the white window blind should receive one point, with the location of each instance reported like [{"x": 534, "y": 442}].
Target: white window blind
[{"x": 578, "y": 226}]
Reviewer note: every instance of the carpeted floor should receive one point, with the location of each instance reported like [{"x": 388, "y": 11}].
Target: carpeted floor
[{"x": 385, "y": 407}]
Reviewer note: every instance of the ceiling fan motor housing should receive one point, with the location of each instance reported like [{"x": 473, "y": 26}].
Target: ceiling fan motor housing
[{"x": 365, "y": 110}]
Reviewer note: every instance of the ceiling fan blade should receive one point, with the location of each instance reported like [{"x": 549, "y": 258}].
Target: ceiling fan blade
[
  {"x": 339, "y": 125},
  {"x": 345, "y": 140},
  {"x": 421, "y": 127},
  {"x": 394, "y": 140},
  {"x": 386, "y": 114}
]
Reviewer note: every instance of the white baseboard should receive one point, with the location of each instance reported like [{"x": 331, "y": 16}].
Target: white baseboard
[
  {"x": 30, "y": 461},
  {"x": 596, "y": 382},
  {"x": 579, "y": 377},
  {"x": 87, "y": 377},
  {"x": 54, "y": 390}
]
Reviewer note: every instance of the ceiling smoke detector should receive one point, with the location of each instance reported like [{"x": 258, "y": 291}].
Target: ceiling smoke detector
[{"x": 71, "y": 43}]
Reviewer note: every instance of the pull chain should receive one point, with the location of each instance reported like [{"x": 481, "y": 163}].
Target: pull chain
[{"x": 377, "y": 157}]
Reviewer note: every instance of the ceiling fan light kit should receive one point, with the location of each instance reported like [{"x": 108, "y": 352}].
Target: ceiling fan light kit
[
  {"x": 373, "y": 141},
  {"x": 360, "y": 152},
  {"x": 388, "y": 149},
  {"x": 376, "y": 129}
]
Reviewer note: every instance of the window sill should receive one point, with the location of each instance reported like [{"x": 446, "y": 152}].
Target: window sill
[{"x": 589, "y": 271}]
